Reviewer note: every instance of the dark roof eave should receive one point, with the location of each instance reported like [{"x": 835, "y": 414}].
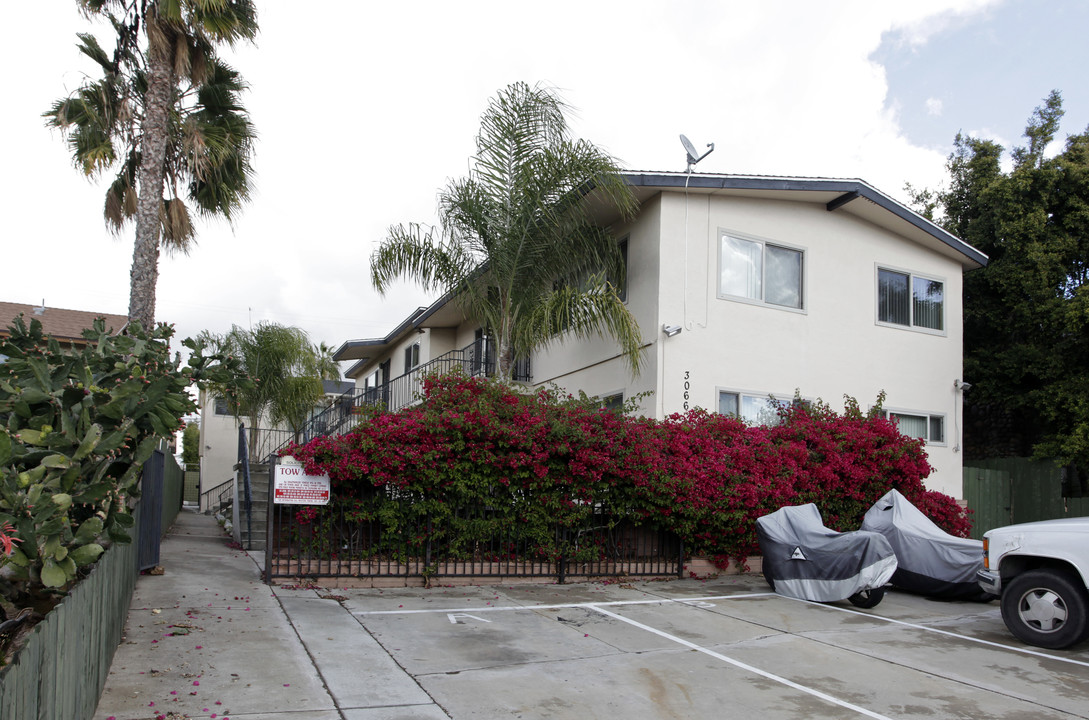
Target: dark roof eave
[{"x": 342, "y": 352}]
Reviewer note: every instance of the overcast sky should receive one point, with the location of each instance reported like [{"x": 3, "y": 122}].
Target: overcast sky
[{"x": 365, "y": 110}]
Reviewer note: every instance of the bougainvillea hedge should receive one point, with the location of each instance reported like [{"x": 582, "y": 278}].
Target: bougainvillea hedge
[{"x": 545, "y": 458}]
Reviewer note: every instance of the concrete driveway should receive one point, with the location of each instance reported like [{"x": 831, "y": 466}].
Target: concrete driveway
[{"x": 722, "y": 648}]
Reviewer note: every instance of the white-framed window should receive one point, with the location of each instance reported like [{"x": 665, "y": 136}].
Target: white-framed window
[
  {"x": 909, "y": 300},
  {"x": 760, "y": 271},
  {"x": 612, "y": 401},
  {"x": 412, "y": 356},
  {"x": 622, "y": 286},
  {"x": 924, "y": 426},
  {"x": 753, "y": 408}
]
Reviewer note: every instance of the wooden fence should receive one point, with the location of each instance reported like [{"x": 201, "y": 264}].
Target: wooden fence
[
  {"x": 60, "y": 671},
  {"x": 1005, "y": 491}
]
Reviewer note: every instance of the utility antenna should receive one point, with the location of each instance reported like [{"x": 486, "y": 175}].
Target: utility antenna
[{"x": 693, "y": 156}]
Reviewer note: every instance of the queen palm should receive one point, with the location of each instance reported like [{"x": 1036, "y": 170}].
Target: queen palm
[
  {"x": 516, "y": 246},
  {"x": 286, "y": 371},
  {"x": 166, "y": 117}
]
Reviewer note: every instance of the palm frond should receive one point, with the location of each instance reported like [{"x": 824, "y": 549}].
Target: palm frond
[
  {"x": 410, "y": 252},
  {"x": 570, "y": 313},
  {"x": 178, "y": 234}
]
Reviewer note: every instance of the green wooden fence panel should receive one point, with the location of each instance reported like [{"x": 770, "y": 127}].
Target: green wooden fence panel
[
  {"x": 1005, "y": 491},
  {"x": 1077, "y": 507},
  {"x": 173, "y": 490},
  {"x": 60, "y": 672},
  {"x": 987, "y": 492}
]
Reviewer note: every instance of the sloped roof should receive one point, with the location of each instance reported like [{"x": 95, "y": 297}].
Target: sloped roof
[{"x": 59, "y": 323}]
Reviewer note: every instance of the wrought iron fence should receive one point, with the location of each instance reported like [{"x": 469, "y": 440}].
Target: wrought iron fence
[{"x": 344, "y": 540}]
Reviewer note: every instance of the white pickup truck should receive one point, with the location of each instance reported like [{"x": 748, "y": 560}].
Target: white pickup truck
[{"x": 1041, "y": 571}]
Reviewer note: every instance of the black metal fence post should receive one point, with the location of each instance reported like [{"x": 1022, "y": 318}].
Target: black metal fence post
[
  {"x": 269, "y": 548},
  {"x": 244, "y": 459}
]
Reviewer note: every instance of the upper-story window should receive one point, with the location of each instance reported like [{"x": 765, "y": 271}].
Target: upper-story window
[
  {"x": 621, "y": 284},
  {"x": 910, "y": 300},
  {"x": 412, "y": 356},
  {"x": 760, "y": 271}
]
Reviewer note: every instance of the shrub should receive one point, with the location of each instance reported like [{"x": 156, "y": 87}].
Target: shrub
[
  {"x": 544, "y": 458},
  {"x": 75, "y": 429}
]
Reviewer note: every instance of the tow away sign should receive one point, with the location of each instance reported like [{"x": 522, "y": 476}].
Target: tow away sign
[{"x": 292, "y": 486}]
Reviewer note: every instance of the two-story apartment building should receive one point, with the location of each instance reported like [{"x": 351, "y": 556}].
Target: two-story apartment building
[{"x": 748, "y": 288}]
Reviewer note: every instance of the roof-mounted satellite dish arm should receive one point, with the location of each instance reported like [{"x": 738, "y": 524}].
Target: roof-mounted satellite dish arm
[{"x": 693, "y": 156}]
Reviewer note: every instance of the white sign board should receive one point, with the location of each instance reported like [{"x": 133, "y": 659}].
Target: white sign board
[{"x": 292, "y": 486}]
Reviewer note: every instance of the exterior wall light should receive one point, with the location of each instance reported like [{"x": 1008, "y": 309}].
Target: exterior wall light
[{"x": 671, "y": 330}]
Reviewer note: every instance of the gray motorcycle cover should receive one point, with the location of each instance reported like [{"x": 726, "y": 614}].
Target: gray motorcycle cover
[
  {"x": 930, "y": 561},
  {"x": 804, "y": 559}
]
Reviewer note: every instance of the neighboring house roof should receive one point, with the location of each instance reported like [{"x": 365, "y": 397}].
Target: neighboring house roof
[
  {"x": 337, "y": 387},
  {"x": 851, "y": 196},
  {"x": 66, "y": 326}
]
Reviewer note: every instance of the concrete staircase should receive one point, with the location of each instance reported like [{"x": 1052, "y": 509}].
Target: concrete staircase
[{"x": 255, "y": 536}]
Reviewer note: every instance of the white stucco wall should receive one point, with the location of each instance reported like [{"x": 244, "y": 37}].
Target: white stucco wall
[{"x": 833, "y": 346}]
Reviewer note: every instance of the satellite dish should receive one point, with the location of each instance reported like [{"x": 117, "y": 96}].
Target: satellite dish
[{"x": 693, "y": 155}]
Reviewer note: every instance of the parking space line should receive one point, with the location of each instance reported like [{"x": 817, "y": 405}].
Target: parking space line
[
  {"x": 744, "y": 666},
  {"x": 738, "y": 596},
  {"x": 562, "y": 606},
  {"x": 916, "y": 626}
]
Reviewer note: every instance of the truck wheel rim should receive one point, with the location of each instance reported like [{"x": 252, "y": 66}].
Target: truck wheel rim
[{"x": 1042, "y": 610}]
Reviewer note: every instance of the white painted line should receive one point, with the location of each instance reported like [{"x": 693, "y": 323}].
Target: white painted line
[
  {"x": 1014, "y": 648},
  {"x": 744, "y": 666},
  {"x": 565, "y": 606},
  {"x": 740, "y": 596}
]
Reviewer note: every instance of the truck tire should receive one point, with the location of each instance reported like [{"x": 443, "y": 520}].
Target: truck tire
[{"x": 1046, "y": 608}]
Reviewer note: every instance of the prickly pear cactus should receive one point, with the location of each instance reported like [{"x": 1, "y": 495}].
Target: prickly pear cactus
[{"x": 76, "y": 426}]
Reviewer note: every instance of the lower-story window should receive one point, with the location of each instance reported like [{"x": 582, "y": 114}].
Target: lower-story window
[
  {"x": 753, "y": 408},
  {"x": 925, "y": 426},
  {"x": 614, "y": 402}
]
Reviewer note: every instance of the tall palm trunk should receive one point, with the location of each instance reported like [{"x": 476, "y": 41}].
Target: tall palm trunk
[{"x": 145, "y": 255}]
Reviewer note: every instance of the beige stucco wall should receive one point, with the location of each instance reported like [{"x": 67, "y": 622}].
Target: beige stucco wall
[{"x": 832, "y": 347}]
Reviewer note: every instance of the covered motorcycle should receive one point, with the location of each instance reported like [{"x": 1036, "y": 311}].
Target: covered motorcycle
[
  {"x": 804, "y": 559},
  {"x": 930, "y": 561}
]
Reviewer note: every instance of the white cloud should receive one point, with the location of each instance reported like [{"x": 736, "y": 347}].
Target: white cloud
[{"x": 933, "y": 106}]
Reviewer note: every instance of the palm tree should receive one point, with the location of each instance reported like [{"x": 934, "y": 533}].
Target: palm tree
[
  {"x": 167, "y": 117},
  {"x": 516, "y": 246},
  {"x": 286, "y": 369}
]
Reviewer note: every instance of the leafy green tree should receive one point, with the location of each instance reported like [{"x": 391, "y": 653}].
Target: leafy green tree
[
  {"x": 166, "y": 116},
  {"x": 1026, "y": 314},
  {"x": 191, "y": 444},
  {"x": 517, "y": 247}
]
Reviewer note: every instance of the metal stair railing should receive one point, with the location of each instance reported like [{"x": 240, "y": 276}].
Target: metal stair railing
[{"x": 476, "y": 359}]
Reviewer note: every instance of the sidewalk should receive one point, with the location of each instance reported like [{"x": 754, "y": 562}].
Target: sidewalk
[{"x": 208, "y": 639}]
